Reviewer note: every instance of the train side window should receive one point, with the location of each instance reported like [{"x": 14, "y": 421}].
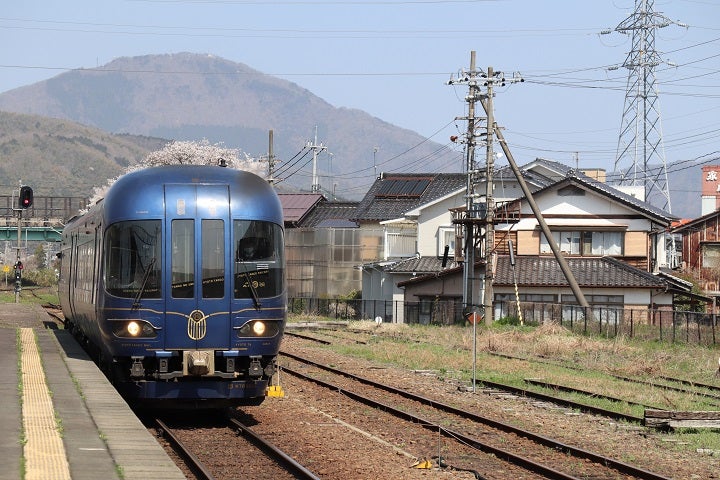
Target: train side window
[
  {"x": 132, "y": 259},
  {"x": 183, "y": 258}
]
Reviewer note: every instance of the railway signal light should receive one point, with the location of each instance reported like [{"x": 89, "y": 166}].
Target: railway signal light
[{"x": 26, "y": 196}]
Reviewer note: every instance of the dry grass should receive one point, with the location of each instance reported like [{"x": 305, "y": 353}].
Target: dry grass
[{"x": 619, "y": 356}]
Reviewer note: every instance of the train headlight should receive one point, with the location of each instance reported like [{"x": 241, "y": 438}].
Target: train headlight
[
  {"x": 133, "y": 328},
  {"x": 258, "y": 328},
  {"x": 125, "y": 328}
]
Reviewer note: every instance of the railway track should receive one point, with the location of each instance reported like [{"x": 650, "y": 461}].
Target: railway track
[
  {"x": 528, "y": 393},
  {"x": 542, "y": 455},
  {"x": 251, "y": 455},
  {"x": 710, "y": 393}
]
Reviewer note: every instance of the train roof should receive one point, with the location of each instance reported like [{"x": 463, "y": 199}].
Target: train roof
[{"x": 140, "y": 194}]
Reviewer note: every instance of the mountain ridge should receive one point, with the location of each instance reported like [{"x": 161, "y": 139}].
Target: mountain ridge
[
  {"x": 191, "y": 96},
  {"x": 188, "y": 96}
]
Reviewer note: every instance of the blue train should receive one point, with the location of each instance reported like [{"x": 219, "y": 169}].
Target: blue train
[{"x": 176, "y": 282}]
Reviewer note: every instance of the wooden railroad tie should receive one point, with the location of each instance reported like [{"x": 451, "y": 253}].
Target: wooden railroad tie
[{"x": 674, "y": 419}]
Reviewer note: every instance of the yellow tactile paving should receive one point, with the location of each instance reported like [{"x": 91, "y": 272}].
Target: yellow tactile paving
[{"x": 43, "y": 451}]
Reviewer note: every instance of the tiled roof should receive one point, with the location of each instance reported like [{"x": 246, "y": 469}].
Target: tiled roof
[
  {"x": 505, "y": 173},
  {"x": 589, "y": 272},
  {"x": 417, "y": 265},
  {"x": 542, "y": 271},
  {"x": 296, "y": 205},
  {"x": 378, "y": 206},
  {"x": 331, "y": 214},
  {"x": 606, "y": 190}
]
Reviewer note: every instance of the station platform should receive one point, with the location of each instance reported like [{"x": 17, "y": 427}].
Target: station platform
[{"x": 61, "y": 418}]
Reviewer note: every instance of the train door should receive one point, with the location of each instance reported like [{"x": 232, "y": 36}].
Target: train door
[{"x": 198, "y": 298}]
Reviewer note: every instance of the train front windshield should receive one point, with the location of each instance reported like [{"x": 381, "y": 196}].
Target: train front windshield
[
  {"x": 132, "y": 263},
  {"x": 258, "y": 259}
]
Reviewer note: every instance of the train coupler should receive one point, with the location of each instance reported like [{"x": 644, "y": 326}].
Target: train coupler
[
  {"x": 137, "y": 369},
  {"x": 255, "y": 370}
]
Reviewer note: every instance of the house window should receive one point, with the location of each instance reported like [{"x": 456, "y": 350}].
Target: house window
[
  {"x": 710, "y": 255},
  {"x": 602, "y": 243},
  {"x": 446, "y": 236},
  {"x": 585, "y": 243},
  {"x": 567, "y": 241},
  {"x": 400, "y": 244},
  {"x": 605, "y": 309},
  {"x": 596, "y": 300},
  {"x": 535, "y": 307}
]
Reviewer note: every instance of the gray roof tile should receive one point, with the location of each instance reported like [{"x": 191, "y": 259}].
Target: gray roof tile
[
  {"x": 378, "y": 208},
  {"x": 544, "y": 271}
]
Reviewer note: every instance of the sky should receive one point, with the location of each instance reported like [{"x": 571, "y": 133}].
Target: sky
[{"x": 393, "y": 59}]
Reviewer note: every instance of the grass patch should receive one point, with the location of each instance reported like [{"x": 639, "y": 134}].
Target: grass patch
[{"x": 31, "y": 295}]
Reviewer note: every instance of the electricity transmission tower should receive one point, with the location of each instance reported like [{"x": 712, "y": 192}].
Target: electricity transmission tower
[{"x": 640, "y": 157}]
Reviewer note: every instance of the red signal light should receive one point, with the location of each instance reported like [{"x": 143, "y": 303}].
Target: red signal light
[{"x": 26, "y": 197}]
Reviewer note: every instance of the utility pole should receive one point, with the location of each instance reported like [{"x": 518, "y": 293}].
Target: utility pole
[
  {"x": 315, "y": 149},
  {"x": 489, "y": 200},
  {"x": 480, "y": 207},
  {"x": 470, "y": 78},
  {"x": 271, "y": 159},
  {"x": 375, "y": 150}
]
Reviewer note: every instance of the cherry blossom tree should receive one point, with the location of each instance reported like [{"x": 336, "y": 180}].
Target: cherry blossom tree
[{"x": 190, "y": 153}]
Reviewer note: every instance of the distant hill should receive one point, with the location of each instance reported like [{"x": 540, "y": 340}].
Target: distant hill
[
  {"x": 59, "y": 157},
  {"x": 186, "y": 96},
  {"x": 189, "y": 96}
]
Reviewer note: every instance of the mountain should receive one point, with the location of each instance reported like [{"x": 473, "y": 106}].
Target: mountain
[
  {"x": 185, "y": 96},
  {"x": 188, "y": 96},
  {"x": 63, "y": 158}
]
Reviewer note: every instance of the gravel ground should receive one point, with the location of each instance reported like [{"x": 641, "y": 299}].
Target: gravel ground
[
  {"x": 372, "y": 458},
  {"x": 337, "y": 438}
]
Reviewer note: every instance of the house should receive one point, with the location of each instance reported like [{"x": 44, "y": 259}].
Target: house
[
  {"x": 412, "y": 212},
  {"x": 701, "y": 250},
  {"x": 614, "y": 244},
  {"x": 605, "y": 282},
  {"x": 589, "y": 218},
  {"x": 418, "y": 228}
]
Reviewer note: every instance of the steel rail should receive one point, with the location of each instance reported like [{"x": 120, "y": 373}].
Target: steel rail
[
  {"x": 663, "y": 386},
  {"x": 567, "y": 389},
  {"x": 540, "y": 439},
  {"x": 289, "y": 463},
  {"x": 307, "y": 337},
  {"x": 193, "y": 461},
  {"x": 521, "y": 392},
  {"x": 510, "y": 457}
]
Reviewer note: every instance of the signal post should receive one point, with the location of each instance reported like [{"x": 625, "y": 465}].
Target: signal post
[{"x": 25, "y": 201}]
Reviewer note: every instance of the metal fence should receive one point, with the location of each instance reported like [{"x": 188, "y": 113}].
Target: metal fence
[{"x": 643, "y": 323}]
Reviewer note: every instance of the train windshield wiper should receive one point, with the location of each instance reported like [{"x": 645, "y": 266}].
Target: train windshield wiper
[
  {"x": 253, "y": 291},
  {"x": 146, "y": 275}
]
